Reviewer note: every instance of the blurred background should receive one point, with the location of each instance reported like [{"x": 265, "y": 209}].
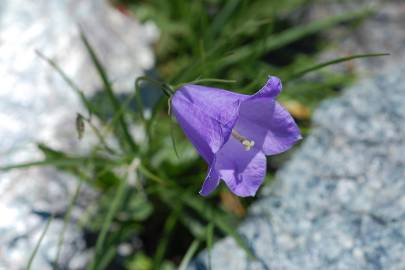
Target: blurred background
[{"x": 96, "y": 175}]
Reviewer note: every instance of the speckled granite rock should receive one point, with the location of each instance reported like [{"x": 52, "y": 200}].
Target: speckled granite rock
[
  {"x": 36, "y": 105},
  {"x": 382, "y": 31},
  {"x": 339, "y": 203}
]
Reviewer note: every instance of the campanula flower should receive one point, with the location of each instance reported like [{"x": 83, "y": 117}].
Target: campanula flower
[{"x": 234, "y": 132}]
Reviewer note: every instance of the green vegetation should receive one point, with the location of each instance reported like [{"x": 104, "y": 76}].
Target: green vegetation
[{"x": 148, "y": 193}]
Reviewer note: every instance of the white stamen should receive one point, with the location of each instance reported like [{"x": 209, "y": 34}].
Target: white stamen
[{"x": 248, "y": 144}]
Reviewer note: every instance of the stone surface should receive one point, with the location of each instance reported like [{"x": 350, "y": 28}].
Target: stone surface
[
  {"x": 36, "y": 105},
  {"x": 382, "y": 31},
  {"x": 339, "y": 203}
]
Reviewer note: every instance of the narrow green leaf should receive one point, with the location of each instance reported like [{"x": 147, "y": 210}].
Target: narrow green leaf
[
  {"x": 46, "y": 162},
  {"x": 288, "y": 36},
  {"x": 220, "y": 221},
  {"x": 210, "y": 236},
  {"x": 173, "y": 139},
  {"x": 206, "y": 212},
  {"x": 66, "y": 221},
  {"x": 34, "y": 252},
  {"x": 335, "y": 61},
  {"x": 107, "y": 257},
  {"x": 112, "y": 211},
  {"x": 150, "y": 175},
  {"x": 189, "y": 255},
  {"x": 110, "y": 92},
  {"x": 223, "y": 17},
  {"x": 63, "y": 162},
  {"x": 72, "y": 85},
  {"x": 164, "y": 240},
  {"x": 203, "y": 80}
]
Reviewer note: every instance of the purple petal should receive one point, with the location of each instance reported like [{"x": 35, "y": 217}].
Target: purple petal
[
  {"x": 207, "y": 116},
  {"x": 211, "y": 182},
  {"x": 272, "y": 88},
  {"x": 243, "y": 171},
  {"x": 268, "y": 124}
]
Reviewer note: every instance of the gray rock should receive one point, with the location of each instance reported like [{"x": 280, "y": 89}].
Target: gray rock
[
  {"x": 338, "y": 203},
  {"x": 36, "y": 105},
  {"x": 381, "y": 31}
]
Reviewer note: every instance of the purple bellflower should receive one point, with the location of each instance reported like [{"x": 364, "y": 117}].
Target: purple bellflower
[{"x": 235, "y": 132}]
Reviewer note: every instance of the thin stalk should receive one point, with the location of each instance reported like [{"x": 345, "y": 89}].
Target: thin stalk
[
  {"x": 65, "y": 223},
  {"x": 35, "y": 251}
]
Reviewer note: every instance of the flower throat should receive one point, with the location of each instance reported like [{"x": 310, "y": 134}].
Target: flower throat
[{"x": 248, "y": 144}]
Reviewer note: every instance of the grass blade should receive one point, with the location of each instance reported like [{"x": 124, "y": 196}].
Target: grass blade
[
  {"x": 223, "y": 16},
  {"x": 189, "y": 255},
  {"x": 164, "y": 240},
  {"x": 34, "y": 252},
  {"x": 198, "y": 81},
  {"x": 217, "y": 217},
  {"x": 108, "y": 256},
  {"x": 206, "y": 212},
  {"x": 46, "y": 162},
  {"x": 65, "y": 223},
  {"x": 110, "y": 92},
  {"x": 336, "y": 61},
  {"x": 66, "y": 78},
  {"x": 117, "y": 200},
  {"x": 173, "y": 139},
  {"x": 210, "y": 236},
  {"x": 289, "y": 36}
]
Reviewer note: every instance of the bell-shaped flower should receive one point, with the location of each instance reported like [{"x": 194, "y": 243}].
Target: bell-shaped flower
[{"x": 234, "y": 132}]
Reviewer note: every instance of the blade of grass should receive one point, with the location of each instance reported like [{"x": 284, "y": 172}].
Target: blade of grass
[
  {"x": 113, "y": 209},
  {"x": 146, "y": 172},
  {"x": 100, "y": 136},
  {"x": 259, "y": 47},
  {"x": 66, "y": 221},
  {"x": 333, "y": 62},
  {"x": 206, "y": 212},
  {"x": 34, "y": 252},
  {"x": 107, "y": 257},
  {"x": 52, "y": 162},
  {"x": 194, "y": 226},
  {"x": 109, "y": 91},
  {"x": 288, "y": 36},
  {"x": 173, "y": 138},
  {"x": 189, "y": 255},
  {"x": 67, "y": 161},
  {"x": 164, "y": 240},
  {"x": 222, "y": 17},
  {"x": 197, "y": 81},
  {"x": 220, "y": 221},
  {"x": 210, "y": 236},
  {"x": 66, "y": 78}
]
